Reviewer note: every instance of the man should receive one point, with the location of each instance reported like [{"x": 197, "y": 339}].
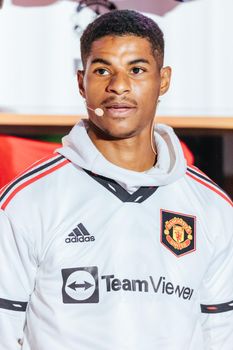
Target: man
[{"x": 113, "y": 243}]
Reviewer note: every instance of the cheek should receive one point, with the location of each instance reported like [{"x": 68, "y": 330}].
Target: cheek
[
  {"x": 147, "y": 90},
  {"x": 95, "y": 90}
]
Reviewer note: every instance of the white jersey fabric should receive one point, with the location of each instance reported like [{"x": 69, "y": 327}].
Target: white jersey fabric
[{"x": 96, "y": 257}]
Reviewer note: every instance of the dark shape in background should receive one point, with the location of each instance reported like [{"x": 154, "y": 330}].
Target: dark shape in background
[
  {"x": 152, "y": 6},
  {"x": 157, "y": 7}
]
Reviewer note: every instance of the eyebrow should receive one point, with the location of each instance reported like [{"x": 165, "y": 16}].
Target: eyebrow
[
  {"x": 100, "y": 60},
  {"x": 107, "y": 63},
  {"x": 139, "y": 60}
]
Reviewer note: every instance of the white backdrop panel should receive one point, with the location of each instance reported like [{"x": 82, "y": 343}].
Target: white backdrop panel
[{"x": 38, "y": 48}]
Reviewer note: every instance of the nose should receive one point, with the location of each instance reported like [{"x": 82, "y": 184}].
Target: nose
[{"x": 119, "y": 84}]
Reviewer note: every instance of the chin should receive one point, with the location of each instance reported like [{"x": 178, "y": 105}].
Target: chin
[
  {"x": 119, "y": 134},
  {"x": 114, "y": 131}
]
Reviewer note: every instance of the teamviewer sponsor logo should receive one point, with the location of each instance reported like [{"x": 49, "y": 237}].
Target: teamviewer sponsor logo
[
  {"x": 80, "y": 285},
  {"x": 79, "y": 235},
  {"x": 160, "y": 285}
]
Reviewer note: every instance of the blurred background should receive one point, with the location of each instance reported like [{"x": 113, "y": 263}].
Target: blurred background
[{"x": 39, "y": 57}]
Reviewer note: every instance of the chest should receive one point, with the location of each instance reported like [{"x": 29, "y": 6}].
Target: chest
[{"x": 158, "y": 245}]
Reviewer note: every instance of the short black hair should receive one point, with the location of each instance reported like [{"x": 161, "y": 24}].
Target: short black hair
[{"x": 121, "y": 23}]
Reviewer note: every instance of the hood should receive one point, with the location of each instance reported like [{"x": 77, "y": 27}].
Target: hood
[{"x": 170, "y": 166}]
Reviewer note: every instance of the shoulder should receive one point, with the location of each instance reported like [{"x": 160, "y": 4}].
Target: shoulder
[
  {"x": 207, "y": 187},
  {"x": 31, "y": 176}
]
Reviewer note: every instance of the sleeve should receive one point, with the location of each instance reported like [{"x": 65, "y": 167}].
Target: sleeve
[
  {"x": 217, "y": 288},
  {"x": 17, "y": 275}
]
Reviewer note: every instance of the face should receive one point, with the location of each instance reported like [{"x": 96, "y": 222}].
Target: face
[{"x": 123, "y": 78}]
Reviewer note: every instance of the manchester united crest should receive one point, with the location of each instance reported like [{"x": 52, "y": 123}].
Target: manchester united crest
[{"x": 178, "y": 232}]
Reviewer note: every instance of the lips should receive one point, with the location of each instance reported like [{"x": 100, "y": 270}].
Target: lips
[{"x": 119, "y": 109}]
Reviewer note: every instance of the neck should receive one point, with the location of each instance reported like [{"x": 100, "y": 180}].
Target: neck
[{"x": 134, "y": 153}]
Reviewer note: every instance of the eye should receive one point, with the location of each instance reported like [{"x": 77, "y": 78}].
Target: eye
[
  {"x": 137, "y": 70},
  {"x": 101, "y": 71}
]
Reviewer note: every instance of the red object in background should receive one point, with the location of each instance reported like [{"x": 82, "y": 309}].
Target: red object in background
[
  {"x": 187, "y": 153},
  {"x": 16, "y": 154}
]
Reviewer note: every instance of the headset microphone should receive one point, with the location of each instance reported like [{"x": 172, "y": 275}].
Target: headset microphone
[{"x": 98, "y": 111}]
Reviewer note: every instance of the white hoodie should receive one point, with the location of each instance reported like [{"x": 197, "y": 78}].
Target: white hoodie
[
  {"x": 95, "y": 257},
  {"x": 170, "y": 166}
]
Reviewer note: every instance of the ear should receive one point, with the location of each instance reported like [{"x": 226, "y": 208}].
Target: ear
[
  {"x": 165, "y": 74},
  {"x": 80, "y": 79}
]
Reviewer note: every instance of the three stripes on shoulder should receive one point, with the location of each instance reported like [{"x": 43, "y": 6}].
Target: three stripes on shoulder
[
  {"x": 203, "y": 179},
  {"x": 35, "y": 172}
]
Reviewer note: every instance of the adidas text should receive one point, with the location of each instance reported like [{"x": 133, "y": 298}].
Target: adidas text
[{"x": 80, "y": 239}]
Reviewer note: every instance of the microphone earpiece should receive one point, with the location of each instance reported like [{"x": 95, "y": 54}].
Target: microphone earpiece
[{"x": 98, "y": 111}]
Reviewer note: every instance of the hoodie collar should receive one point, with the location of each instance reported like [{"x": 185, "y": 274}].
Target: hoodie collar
[{"x": 170, "y": 165}]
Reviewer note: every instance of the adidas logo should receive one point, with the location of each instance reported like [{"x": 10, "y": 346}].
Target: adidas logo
[{"x": 79, "y": 234}]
